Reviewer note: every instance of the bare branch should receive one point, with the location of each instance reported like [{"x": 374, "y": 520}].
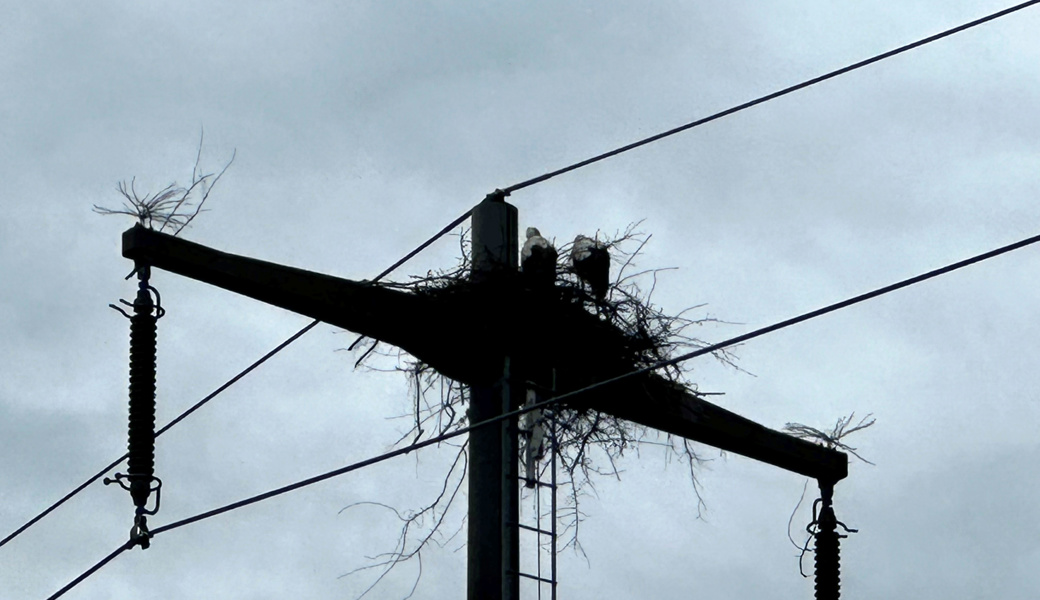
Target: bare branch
[
  {"x": 406, "y": 548},
  {"x": 174, "y": 206},
  {"x": 832, "y": 438},
  {"x": 586, "y": 443}
]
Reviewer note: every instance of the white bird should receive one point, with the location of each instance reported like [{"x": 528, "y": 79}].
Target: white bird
[
  {"x": 591, "y": 263},
  {"x": 534, "y": 430},
  {"x": 538, "y": 259}
]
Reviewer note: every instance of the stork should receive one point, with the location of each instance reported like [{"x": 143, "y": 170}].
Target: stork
[
  {"x": 591, "y": 263},
  {"x": 538, "y": 260},
  {"x": 534, "y": 433}
]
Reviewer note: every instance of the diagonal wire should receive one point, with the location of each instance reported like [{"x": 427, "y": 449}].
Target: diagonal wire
[
  {"x": 159, "y": 432},
  {"x": 64, "y": 499},
  {"x": 228, "y": 383},
  {"x": 809, "y": 315},
  {"x": 91, "y": 570},
  {"x": 447, "y": 229},
  {"x": 768, "y": 97}
]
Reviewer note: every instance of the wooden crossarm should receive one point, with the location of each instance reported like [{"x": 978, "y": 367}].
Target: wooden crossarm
[
  {"x": 423, "y": 326},
  {"x": 660, "y": 404},
  {"x": 455, "y": 335}
]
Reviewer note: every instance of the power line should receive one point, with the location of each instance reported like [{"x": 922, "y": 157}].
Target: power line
[
  {"x": 458, "y": 221},
  {"x": 234, "y": 379},
  {"x": 299, "y": 484},
  {"x": 310, "y": 481},
  {"x": 810, "y": 315},
  {"x": 561, "y": 397},
  {"x": 227, "y": 384},
  {"x": 64, "y": 498},
  {"x": 768, "y": 97},
  {"x": 159, "y": 432},
  {"x": 91, "y": 570}
]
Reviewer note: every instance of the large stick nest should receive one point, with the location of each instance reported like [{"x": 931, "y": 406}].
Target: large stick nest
[{"x": 586, "y": 442}]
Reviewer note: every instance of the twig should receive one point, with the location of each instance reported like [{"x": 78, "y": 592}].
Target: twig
[
  {"x": 173, "y": 205},
  {"x": 588, "y": 444},
  {"x": 832, "y": 439}
]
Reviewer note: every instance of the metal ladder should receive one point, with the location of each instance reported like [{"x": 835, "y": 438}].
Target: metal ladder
[{"x": 532, "y": 522}]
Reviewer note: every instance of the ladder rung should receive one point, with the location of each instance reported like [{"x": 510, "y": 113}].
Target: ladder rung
[
  {"x": 536, "y": 482},
  {"x": 534, "y": 529},
  {"x": 541, "y": 579}
]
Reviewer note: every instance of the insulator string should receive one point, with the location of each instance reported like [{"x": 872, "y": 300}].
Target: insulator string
[
  {"x": 140, "y": 479},
  {"x": 827, "y": 558},
  {"x": 141, "y": 424}
]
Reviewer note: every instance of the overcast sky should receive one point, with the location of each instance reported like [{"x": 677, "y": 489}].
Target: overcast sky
[{"x": 361, "y": 128}]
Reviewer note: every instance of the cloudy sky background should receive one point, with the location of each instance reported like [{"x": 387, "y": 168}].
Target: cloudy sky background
[{"x": 362, "y": 128}]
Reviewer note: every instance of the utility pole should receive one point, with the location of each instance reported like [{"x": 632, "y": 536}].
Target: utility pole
[
  {"x": 486, "y": 335},
  {"x": 493, "y": 542}
]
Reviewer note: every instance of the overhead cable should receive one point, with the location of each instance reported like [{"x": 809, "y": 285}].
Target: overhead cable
[
  {"x": 768, "y": 97},
  {"x": 104, "y": 561},
  {"x": 807, "y": 316},
  {"x": 447, "y": 229}
]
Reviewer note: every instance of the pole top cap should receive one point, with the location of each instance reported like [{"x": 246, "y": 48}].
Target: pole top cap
[{"x": 496, "y": 196}]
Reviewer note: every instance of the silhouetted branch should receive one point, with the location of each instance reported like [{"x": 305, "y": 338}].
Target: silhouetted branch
[
  {"x": 407, "y": 547},
  {"x": 832, "y": 439},
  {"x": 174, "y": 206},
  {"x": 587, "y": 443}
]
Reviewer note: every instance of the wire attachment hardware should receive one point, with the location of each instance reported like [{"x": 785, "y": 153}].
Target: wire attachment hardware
[
  {"x": 126, "y": 482},
  {"x": 140, "y": 480},
  {"x": 824, "y": 530},
  {"x": 139, "y": 534}
]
